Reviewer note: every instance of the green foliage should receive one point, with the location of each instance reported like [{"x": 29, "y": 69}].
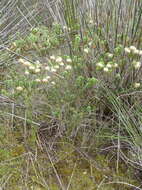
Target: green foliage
[
  {"x": 39, "y": 39},
  {"x": 83, "y": 78},
  {"x": 91, "y": 82}
]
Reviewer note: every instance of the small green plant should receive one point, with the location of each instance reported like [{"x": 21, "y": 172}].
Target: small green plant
[{"x": 40, "y": 40}]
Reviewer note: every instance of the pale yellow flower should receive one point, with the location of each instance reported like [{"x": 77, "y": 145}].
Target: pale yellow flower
[
  {"x": 133, "y": 48},
  {"x": 140, "y": 52},
  {"x": 53, "y": 83},
  {"x": 59, "y": 59},
  {"x": 37, "y": 80},
  {"x": 27, "y": 63},
  {"x": 31, "y": 67},
  {"x": 53, "y": 70},
  {"x": 90, "y": 43},
  {"x": 137, "y": 85},
  {"x": 61, "y": 64},
  {"x": 14, "y": 44},
  {"x": 115, "y": 65},
  {"x": 68, "y": 67},
  {"x": 127, "y": 50},
  {"x": 100, "y": 64},
  {"x": 37, "y": 70},
  {"x": 106, "y": 69},
  {"x": 38, "y": 66},
  {"x": 85, "y": 172},
  {"x": 47, "y": 68},
  {"x": 86, "y": 50},
  {"x": 37, "y": 62},
  {"x": 65, "y": 27},
  {"x": 21, "y": 60},
  {"x": 110, "y": 55},
  {"x": 90, "y": 21},
  {"x": 136, "y": 51},
  {"x": 68, "y": 60},
  {"x": 56, "y": 67},
  {"x": 109, "y": 65},
  {"x": 19, "y": 88},
  {"x": 52, "y": 57},
  {"x": 45, "y": 80},
  {"x": 47, "y": 77},
  {"x": 137, "y": 65},
  {"x": 27, "y": 73}
]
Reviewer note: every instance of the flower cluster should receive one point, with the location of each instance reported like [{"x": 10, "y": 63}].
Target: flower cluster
[
  {"x": 34, "y": 68},
  {"x": 65, "y": 28},
  {"x": 137, "y": 85},
  {"x": 133, "y": 50},
  {"x": 136, "y": 64},
  {"x": 108, "y": 64},
  {"x": 60, "y": 62},
  {"x": 106, "y": 67},
  {"x": 86, "y": 50},
  {"x": 19, "y": 88},
  {"x": 46, "y": 70}
]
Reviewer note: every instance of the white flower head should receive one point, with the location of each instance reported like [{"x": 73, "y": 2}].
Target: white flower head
[
  {"x": 37, "y": 70},
  {"x": 85, "y": 172},
  {"x": 68, "y": 60},
  {"x": 90, "y": 21},
  {"x": 115, "y": 65},
  {"x": 127, "y": 50},
  {"x": 47, "y": 77},
  {"x": 38, "y": 66},
  {"x": 53, "y": 70},
  {"x": 37, "y": 62},
  {"x": 27, "y": 72},
  {"x": 90, "y": 43},
  {"x": 59, "y": 59},
  {"x": 37, "y": 80},
  {"x": 133, "y": 48},
  {"x": 61, "y": 64},
  {"x": 53, "y": 83},
  {"x": 65, "y": 27},
  {"x": 86, "y": 50},
  {"x": 56, "y": 67},
  {"x": 106, "y": 69},
  {"x": 136, "y": 51},
  {"x": 19, "y": 88},
  {"x": 21, "y": 60},
  {"x": 137, "y": 84},
  {"x": 31, "y": 67},
  {"x": 47, "y": 68},
  {"x": 68, "y": 67},
  {"x": 137, "y": 65},
  {"x": 110, "y": 55},
  {"x": 45, "y": 80},
  {"x": 14, "y": 44},
  {"x": 27, "y": 63},
  {"x": 52, "y": 57},
  {"x": 100, "y": 64},
  {"x": 140, "y": 52},
  {"x": 109, "y": 65}
]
